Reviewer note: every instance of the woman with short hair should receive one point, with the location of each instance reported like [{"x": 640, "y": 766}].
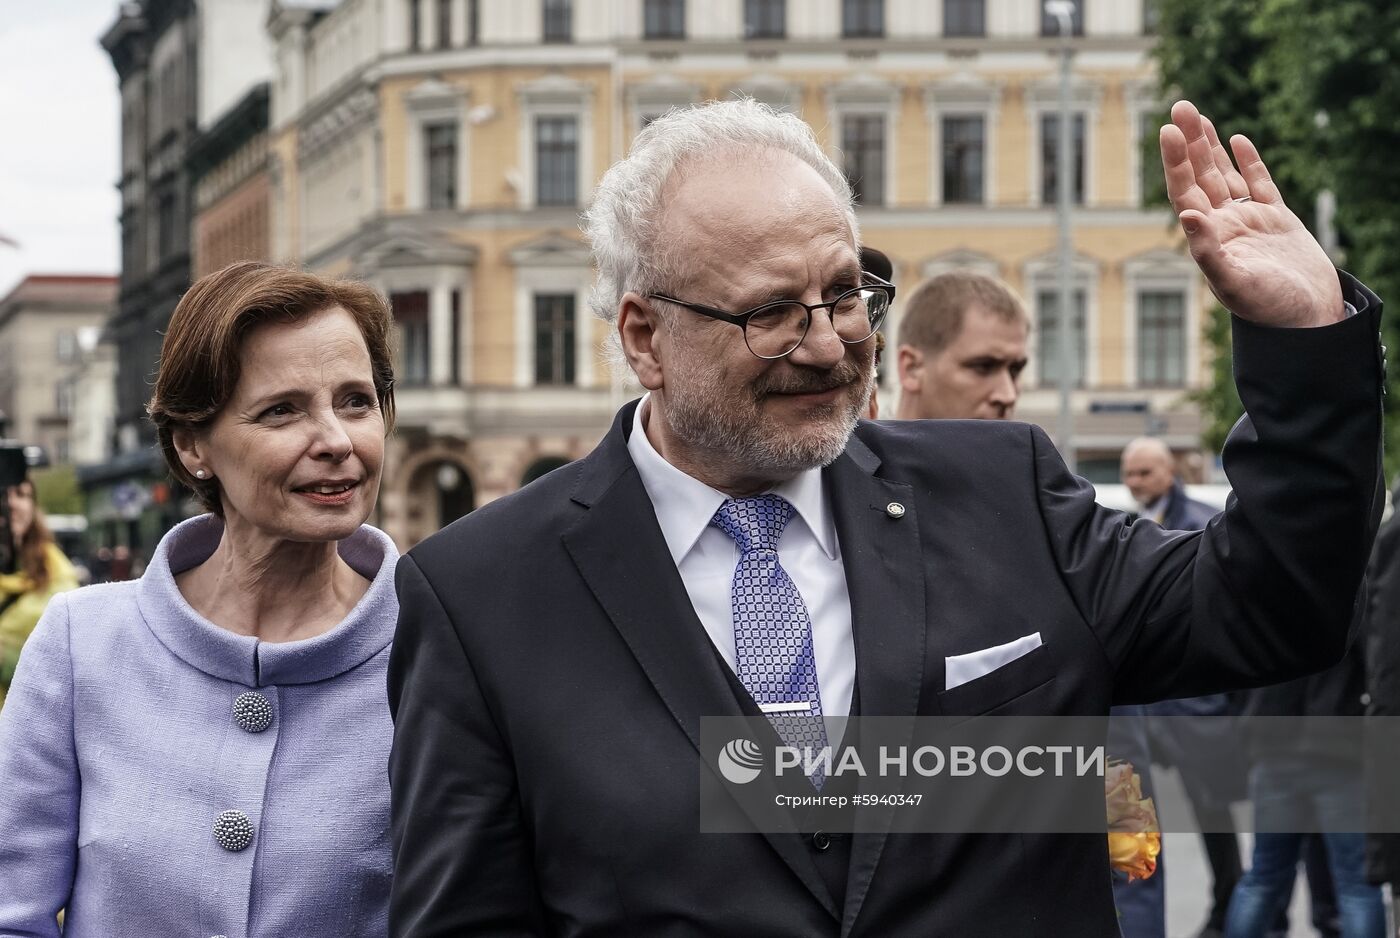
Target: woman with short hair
[{"x": 202, "y": 751}]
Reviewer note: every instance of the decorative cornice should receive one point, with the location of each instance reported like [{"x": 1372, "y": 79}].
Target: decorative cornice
[
  {"x": 554, "y": 89},
  {"x": 126, "y": 40},
  {"x": 432, "y": 94},
  {"x": 554, "y": 249},
  {"x": 1045, "y": 93},
  {"x": 773, "y": 90},
  {"x": 336, "y": 123},
  {"x": 1159, "y": 260},
  {"x": 285, "y": 15},
  {"x": 961, "y": 89},
  {"x": 661, "y": 91},
  {"x": 960, "y": 258},
  {"x": 864, "y": 88},
  {"x": 239, "y": 124}
]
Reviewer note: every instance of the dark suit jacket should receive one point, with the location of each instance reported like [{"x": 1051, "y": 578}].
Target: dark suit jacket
[
  {"x": 549, "y": 673},
  {"x": 1212, "y": 764},
  {"x": 1183, "y": 512}
]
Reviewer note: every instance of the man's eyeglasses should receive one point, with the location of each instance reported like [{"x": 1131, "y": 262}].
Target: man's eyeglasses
[{"x": 776, "y": 329}]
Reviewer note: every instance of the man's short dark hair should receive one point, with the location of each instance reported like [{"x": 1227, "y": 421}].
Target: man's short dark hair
[{"x": 933, "y": 314}]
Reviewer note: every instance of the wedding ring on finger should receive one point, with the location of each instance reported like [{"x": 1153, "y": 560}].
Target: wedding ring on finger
[{"x": 1244, "y": 198}]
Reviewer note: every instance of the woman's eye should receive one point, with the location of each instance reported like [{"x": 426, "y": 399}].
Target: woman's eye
[
  {"x": 360, "y": 401},
  {"x": 277, "y": 410}
]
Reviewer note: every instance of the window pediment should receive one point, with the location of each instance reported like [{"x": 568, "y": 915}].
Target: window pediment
[
  {"x": 554, "y": 249},
  {"x": 554, "y": 90}
]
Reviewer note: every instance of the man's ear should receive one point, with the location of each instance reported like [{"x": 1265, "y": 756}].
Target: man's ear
[
  {"x": 911, "y": 369},
  {"x": 643, "y": 336}
]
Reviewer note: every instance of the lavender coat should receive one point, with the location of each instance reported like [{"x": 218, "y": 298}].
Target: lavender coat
[{"x": 119, "y": 748}]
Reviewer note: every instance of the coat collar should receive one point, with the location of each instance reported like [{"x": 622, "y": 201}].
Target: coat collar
[{"x": 245, "y": 660}]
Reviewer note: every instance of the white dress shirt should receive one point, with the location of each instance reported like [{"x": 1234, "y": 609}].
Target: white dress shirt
[
  {"x": 1155, "y": 509},
  {"x": 706, "y": 558}
]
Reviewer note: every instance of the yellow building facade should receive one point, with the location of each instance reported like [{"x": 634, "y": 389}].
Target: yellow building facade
[{"x": 443, "y": 149}]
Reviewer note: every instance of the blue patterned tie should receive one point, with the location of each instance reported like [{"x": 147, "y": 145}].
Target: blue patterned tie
[{"x": 772, "y": 631}]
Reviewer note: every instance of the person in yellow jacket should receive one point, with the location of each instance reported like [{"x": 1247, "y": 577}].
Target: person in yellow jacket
[{"x": 42, "y": 572}]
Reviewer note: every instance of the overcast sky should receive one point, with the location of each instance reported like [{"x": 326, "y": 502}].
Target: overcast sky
[{"x": 60, "y": 129}]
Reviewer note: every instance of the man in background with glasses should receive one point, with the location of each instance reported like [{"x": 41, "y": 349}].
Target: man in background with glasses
[{"x": 738, "y": 545}]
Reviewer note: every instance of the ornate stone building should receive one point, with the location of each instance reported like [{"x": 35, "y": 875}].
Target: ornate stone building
[
  {"x": 444, "y": 148},
  {"x": 180, "y": 65}
]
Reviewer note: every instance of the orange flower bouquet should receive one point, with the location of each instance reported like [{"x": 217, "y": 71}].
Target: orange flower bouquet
[{"x": 1134, "y": 839}]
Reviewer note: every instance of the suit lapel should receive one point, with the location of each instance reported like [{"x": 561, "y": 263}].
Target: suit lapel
[
  {"x": 621, "y": 554},
  {"x": 880, "y": 549}
]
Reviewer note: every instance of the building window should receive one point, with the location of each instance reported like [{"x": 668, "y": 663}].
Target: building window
[
  {"x": 862, "y": 18},
  {"x": 963, "y": 146},
  {"x": 166, "y": 236},
  {"x": 554, "y": 338},
  {"x": 440, "y": 145},
  {"x": 664, "y": 19},
  {"x": 1048, "y": 327},
  {"x": 67, "y": 346},
  {"x": 415, "y": 24},
  {"x": 558, "y": 20},
  {"x": 1151, "y": 16},
  {"x": 411, "y": 314},
  {"x": 765, "y": 19},
  {"x": 1049, "y": 158},
  {"x": 63, "y": 398},
  {"x": 473, "y": 22},
  {"x": 456, "y": 375},
  {"x": 1050, "y": 25},
  {"x": 131, "y": 249},
  {"x": 1161, "y": 338},
  {"x": 863, "y": 142},
  {"x": 964, "y": 17},
  {"x": 556, "y": 161},
  {"x": 444, "y": 24}
]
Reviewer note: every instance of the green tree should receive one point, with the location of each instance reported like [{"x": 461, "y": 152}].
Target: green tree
[
  {"x": 1315, "y": 85},
  {"x": 57, "y": 490},
  {"x": 1219, "y": 401},
  {"x": 1352, "y": 74}
]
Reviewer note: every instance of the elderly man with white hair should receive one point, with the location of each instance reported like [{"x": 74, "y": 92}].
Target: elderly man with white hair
[
  {"x": 1149, "y": 471},
  {"x": 741, "y": 544}
]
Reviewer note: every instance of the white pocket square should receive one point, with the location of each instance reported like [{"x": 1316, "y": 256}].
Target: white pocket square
[{"x": 963, "y": 668}]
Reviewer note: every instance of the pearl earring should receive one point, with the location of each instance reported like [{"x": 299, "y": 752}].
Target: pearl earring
[{"x": 200, "y": 473}]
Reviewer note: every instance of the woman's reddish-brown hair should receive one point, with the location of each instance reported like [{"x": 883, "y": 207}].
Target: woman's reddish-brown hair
[
  {"x": 199, "y": 359},
  {"x": 33, "y": 547}
]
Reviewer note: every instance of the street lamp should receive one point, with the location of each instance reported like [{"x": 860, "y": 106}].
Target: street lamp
[{"x": 1063, "y": 11}]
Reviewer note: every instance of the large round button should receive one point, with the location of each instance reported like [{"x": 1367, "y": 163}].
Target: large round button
[
  {"x": 233, "y": 830},
  {"x": 252, "y": 712},
  {"x": 821, "y": 840}
]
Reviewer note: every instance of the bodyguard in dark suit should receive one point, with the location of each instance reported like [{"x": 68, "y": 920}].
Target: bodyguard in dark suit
[{"x": 738, "y": 545}]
